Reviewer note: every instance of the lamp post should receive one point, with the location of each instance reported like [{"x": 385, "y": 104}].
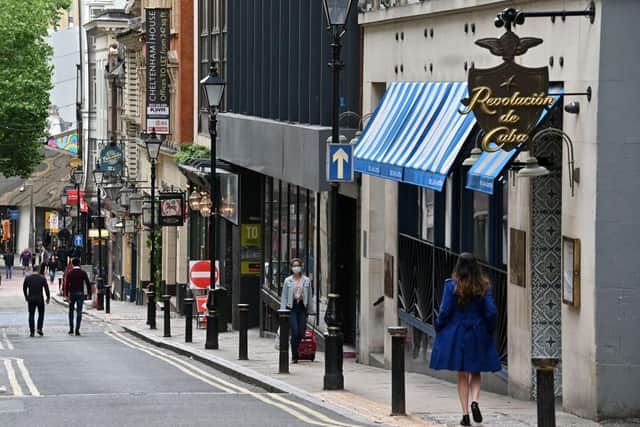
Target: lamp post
[
  {"x": 153, "y": 143},
  {"x": 336, "y": 13},
  {"x": 213, "y": 88},
  {"x": 78, "y": 174},
  {"x": 98, "y": 177}
]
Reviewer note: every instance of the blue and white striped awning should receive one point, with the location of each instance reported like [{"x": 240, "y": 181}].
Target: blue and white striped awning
[
  {"x": 482, "y": 175},
  {"x": 415, "y": 133}
]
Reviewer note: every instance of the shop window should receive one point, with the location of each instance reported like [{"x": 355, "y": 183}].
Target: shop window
[
  {"x": 427, "y": 214},
  {"x": 481, "y": 225}
]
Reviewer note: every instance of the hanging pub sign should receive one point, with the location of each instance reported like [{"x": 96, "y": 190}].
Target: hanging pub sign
[
  {"x": 171, "y": 209},
  {"x": 111, "y": 160},
  {"x": 157, "y": 96},
  {"x": 507, "y": 100}
]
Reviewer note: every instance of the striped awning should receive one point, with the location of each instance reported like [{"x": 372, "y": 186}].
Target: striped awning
[
  {"x": 415, "y": 133},
  {"x": 489, "y": 166}
]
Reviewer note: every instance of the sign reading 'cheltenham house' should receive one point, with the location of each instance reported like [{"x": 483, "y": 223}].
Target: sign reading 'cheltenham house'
[{"x": 158, "y": 32}]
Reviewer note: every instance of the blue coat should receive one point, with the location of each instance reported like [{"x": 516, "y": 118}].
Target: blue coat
[{"x": 464, "y": 339}]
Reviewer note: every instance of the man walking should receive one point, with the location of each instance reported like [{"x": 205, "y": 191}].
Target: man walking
[
  {"x": 8, "y": 264},
  {"x": 74, "y": 291},
  {"x": 32, "y": 288}
]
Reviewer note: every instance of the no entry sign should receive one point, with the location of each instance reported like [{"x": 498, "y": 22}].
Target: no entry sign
[{"x": 200, "y": 274}]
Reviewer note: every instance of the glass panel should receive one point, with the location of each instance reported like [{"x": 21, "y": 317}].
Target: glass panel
[
  {"x": 283, "y": 270},
  {"x": 302, "y": 225},
  {"x": 505, "y": 217},
  {"x": 275, "y": 235},
  {"x": 311, "y": 235},
  {"x": 480, "y": 225},
  {"x": 427, "y": 204},
  {"x": 267, "y": 227},
  {"x": 293, "y": 222}
]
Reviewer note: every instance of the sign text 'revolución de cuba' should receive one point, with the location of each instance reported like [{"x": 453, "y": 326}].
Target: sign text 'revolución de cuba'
[{"x": 509, "y": 99}]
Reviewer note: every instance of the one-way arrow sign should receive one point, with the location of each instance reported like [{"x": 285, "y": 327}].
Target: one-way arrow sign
[{"x": 339, "y": 163}]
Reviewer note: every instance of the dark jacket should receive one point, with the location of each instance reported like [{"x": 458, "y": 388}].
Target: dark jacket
[
  {"x": 76, "y": 278},
  {"x": 8, "y": 259},
  {"x": 33, "y": 286}
]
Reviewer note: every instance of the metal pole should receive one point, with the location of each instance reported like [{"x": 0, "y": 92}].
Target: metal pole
[
  {"x": 212, "y": 316},
  {"x": 283, "y": 362},
  {"x": 545, "y": 395},
  {"x": 152, "y": 285},
  {"x": 32, "y": 226},
  {"x": 243, "y": 324},
  {"x": 398, "y": 335},
  {"x": 99, "y": 279},
  {"x": 167, "y": 315},
  {"x": 78, "y": 214},
  {"x": 333, "y": 377},
  {"x": 188, "y": 319}
]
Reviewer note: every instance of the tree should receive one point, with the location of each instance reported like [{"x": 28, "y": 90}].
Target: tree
[{"x": 25, "y": 81}]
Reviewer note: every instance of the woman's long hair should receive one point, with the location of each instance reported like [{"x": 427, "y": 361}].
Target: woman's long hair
[{"x": 470, "y": 281}]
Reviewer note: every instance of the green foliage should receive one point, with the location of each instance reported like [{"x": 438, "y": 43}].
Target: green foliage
[
  {"x": 189, "y": 150},
  {"x": 156, "y": 237},
  {"x": 25, "y": 81}
]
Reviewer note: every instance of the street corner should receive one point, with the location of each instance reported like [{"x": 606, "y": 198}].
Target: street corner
[{"x": 375, "y": 412}]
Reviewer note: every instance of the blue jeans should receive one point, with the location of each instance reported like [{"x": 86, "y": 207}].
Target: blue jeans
[
  {"x": 297, "y": 324},
  {"x": 8, "y": 270},
  {"x": 76, "y": 300},
  {"x": 52, "y": 275}
]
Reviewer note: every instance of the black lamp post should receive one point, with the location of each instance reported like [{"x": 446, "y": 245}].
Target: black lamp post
[
  {"x": 213, "y": 88},
  {"x": 98, "y": 177},
  {"x": 153, "y": 144},
  {"x": 336, "y": 13},
  {"x": 78, "y": 174}
]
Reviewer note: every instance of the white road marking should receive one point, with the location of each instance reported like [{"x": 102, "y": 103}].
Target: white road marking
[
  {"x": 7, "y": 341},
  {"x": 27, "y": 378},
  {"x": 319, "y": 418},
  {"x": 13, "y": 381}
]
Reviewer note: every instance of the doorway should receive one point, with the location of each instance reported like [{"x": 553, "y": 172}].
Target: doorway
[{"x": 347, "y": 265}]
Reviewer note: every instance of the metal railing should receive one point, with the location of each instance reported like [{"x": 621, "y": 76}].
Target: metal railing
[{"x": 422, "y": 270}]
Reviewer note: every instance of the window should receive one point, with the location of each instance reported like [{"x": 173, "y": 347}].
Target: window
[
  {"x": 92, "y": 87},
  {"x": 427, "y": 214},
  {"x": 212, "y": 30},
  {"x": 481, "y": 225}
]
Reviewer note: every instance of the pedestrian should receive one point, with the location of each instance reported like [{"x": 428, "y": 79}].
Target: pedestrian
[
  {"x": 32, "y": 288},
  {"x": 25, "y": 260},
  {"x": 297, "y": 297},
  {"x": 8, "y": 264},
  {"x": 74, "y": 291},
  {"x": 52, "y": 265},
  {"x": 464, "y": 329}
]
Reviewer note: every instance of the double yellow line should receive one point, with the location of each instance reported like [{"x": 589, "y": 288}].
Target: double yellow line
[
  {"x": 13, "y": 377},
  {"x": 297, "y": 410}
]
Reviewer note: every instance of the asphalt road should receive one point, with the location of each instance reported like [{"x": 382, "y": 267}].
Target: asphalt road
[{"x": 108, "y": 378}]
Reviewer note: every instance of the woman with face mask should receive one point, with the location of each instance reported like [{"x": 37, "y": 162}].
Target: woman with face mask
[{"x": 296, "y": 296}]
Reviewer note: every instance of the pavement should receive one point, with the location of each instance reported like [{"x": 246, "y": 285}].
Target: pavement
[{"x": 429, "y": 401}]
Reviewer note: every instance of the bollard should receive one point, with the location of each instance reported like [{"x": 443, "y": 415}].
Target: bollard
[
  {"x": 188, "y": 319},
  {"x": 283, "y": 365},
  {"x": 398, "y": 335},
  {"x": 60, "y": 285},
  {"x": 100, "y": 290},
  {"x": 152, "y": 309},
  {"x": 167, "y": 313},
  {"x": 545, "y": 396},
  {"x": 243, "y": 325},
  {"x": 107, "y": 299}
]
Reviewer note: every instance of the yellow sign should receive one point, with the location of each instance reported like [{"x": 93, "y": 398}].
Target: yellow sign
[
  {"x": 251, "y": 235},
  {"x": 51, "y": 221},
  {"x": 75, "y": 163},
  {"x": 251, "y": 268}
]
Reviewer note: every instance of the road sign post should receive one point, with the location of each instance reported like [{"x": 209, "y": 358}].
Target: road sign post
[{"x": 339, "y": 162}]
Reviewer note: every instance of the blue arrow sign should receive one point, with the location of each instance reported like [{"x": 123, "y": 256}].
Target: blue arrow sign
[
  {"x": 339, "y": 162},
  {"x": 78, "y": 240}
]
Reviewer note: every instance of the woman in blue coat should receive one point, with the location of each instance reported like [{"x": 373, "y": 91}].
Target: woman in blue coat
[{"x": 464, "y": 330}]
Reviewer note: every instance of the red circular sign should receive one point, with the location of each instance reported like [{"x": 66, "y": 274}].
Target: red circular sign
[{"x": 200, "y": 274}]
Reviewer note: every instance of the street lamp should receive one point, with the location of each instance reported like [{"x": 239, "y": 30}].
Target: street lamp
[
  {"x": 336, "y": 14},
  {"x": 213, "y": 88},
  {"x": 98, "y": 178},
  {"x": 78, "y": 174},
  {"x": 153, "y": 143}
]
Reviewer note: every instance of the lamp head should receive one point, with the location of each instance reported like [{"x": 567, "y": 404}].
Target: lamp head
[
  {"x": 153, "y": 143},
  {"x": 532, "y": 169},
  {"x": 336, "y": 12},
  {"x": 473, "y": 157},
  {"x": 213, "y": 87}
]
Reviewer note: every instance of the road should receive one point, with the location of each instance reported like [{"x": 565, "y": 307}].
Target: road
[{"x": 108, "y": 378}]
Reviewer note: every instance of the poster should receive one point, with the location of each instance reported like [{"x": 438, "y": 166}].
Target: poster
[{"x": 157, "y": 97}]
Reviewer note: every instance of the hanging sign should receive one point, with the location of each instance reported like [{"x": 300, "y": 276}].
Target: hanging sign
[
  {"x": 72, "y": 201},
  {"x": 111, "y": 160},
  {"x": 171, "y": 209},
  {"x": 157, "y": 32},
  {"x": 509, "y": 99}
]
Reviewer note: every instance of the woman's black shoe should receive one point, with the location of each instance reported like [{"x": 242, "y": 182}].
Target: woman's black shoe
[
  {"x": 475, "y": 410},
  {"x": 465, "y": 421}
]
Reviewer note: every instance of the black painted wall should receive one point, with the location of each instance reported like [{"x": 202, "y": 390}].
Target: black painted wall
[{"x": 278, "y": 54}]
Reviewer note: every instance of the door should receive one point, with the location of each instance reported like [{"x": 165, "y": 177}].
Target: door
[{"x": 347, "y": 263}]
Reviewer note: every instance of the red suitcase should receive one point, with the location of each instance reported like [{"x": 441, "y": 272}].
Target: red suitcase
[{"x": 307, "y": 347}]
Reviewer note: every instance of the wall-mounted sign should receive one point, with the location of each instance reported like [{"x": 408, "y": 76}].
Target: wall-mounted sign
[
  {"x": 250, "y": 235},
  {"x": 51, "y": 221},
  {"x": 507, "y": 100},
  {"x": 172, "y": 209},
  {"x": 157, "y": 32},
  {"x": 111, "y": 160}
]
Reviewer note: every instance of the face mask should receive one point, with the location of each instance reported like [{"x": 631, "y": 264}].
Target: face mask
[{"x": 296, "y": 269}]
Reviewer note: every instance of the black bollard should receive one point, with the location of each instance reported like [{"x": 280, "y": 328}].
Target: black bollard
[
  {"x": 100, "y": 289},
  {"x": 545, "y": 396},
  {"x": 152, "y": 309},
  {"x": 398, "y": 335},
  {"x": 243, "y": 325},
  {"x": 107, "y": 299},
  {"x": 188, "y": 319},
  {"x": 167, "y": 313},
  {"x": 283, "y": 365}
]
